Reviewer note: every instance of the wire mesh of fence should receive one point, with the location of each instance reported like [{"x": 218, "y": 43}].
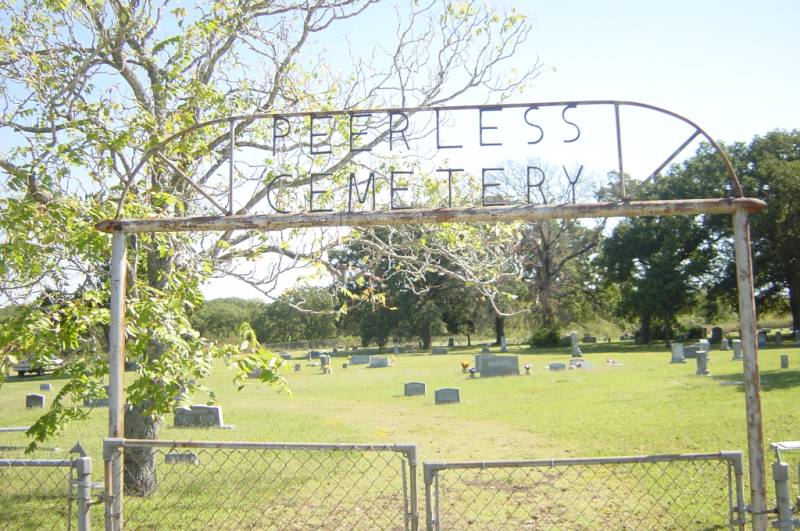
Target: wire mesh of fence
[
  {"x": 655, "y": 492},
  {"x": 267, "y": 486},
  {"x": 37, "y": 494}
]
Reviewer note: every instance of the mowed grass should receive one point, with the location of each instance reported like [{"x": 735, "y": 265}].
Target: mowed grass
[{"x": 643, "y": 405}]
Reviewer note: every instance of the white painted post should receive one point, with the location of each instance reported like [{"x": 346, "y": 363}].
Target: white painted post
[
  {"x": 116, "y": 366},
  {"x": 752, "y": 384},
  {"x": 780, "y": 474},
  {"x": 84, "y": 490}
]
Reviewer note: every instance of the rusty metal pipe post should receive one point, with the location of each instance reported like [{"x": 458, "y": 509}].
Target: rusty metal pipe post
[{"x": 752, "y": 384}]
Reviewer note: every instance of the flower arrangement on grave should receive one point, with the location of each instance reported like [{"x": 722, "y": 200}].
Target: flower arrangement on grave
[{"x": 464, "y": 366}]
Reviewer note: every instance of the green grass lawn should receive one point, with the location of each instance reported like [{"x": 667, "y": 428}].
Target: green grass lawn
[{"x": 643, "y": 406}]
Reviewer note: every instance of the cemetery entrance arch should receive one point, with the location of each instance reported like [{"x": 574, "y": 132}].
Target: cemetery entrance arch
[{"x": 328, "y": 142}]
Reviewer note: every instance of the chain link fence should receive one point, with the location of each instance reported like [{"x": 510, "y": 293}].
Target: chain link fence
[
  {"x": 238, "y": 485},
  {"x": 45, "y": 493},
  {"x": 786, "y": 475},
  {"x": 688, "y": 491}
]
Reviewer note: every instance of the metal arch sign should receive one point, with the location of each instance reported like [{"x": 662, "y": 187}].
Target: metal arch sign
[{"x": 333, "y": 145}]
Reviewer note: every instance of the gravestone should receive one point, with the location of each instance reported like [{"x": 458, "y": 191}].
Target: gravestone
[
  {"x": 690, "y": 351},
  {"x": 451, "y": 342},
  {"x": 438, "y": 351},
  {"x": 784, "y": 361},
  {"x": 557, "y": 366},
  {"x": 45, "y": 387},
  {"x": 797, "y": 337},
  {"x": 395, "y": 350},
  {"x": 359, "y": 359},
  {"x": 344, "y": 365},
  {"x": 285, "y": 356},
  {"x": 499, "y": 366},
  {"x": 576, "y": 350},
  {"x": 324, "y": 361},
  {"x": 503, "y": 344},
  {"x": 479, "y": 359},
  {"x": 314, "y": 355},
  {"x": 737, "y": 349},
  {"x": 677, "y": 353},
  {"x": 199, "y": 417},
  {"x": 414, "y": 389},
  {"x": 762, "y": 339},
  {"x": 485, "y": 350},
  {"x": 378, "y": 362},
  {"x": 716, "y": 335},
  {"x": 34, "y": 401},
  {"x": 589, "y": 339},
  {"x": 175, "y": 458},
  {"x": 580, "y": 363},
  {"x": 447, "y": 395},
  {"x": 131, "y": 366},
  {"x": 702, "y": 363},
  {"x": 778, "y": 338},
  {"x": 704, "y": 345},
  {"x": 725, "y": 345},
  {"x": 297, "y": 367},
  {"x": 98, "y": 402}
]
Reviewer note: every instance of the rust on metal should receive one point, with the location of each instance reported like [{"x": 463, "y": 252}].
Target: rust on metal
[{"x": 274, "y": 222}]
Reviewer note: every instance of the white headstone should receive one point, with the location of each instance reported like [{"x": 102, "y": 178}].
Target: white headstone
[
  {"x": 737, "y": 349},
  {"x": 702, "y": 363},
  {"x": 677, "y": 353},
  {"x": 724, "y": 345},
  {"x": 573, "y": 339}
]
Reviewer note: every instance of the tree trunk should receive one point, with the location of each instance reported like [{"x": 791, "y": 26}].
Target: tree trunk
[
  {"x": 643, "y": 337},
  {"x": 499, "y": 329},
  {"x": 140, "y": 463},
  {"x": 794, "y": 303},
  {"x": 425, "y": 337}
]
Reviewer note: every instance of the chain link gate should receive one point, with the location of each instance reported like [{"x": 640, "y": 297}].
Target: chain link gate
[
  {"x": 45, "y": 493},
  {"x": 686, "y": 491},
  {"x": 243, "y": 485}
]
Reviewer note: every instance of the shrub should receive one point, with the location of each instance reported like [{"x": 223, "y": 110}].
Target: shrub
[{"x": 547, "y": 337}]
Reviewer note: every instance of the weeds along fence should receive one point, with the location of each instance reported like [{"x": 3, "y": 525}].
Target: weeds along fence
[
  {"x": 45, "y": 493},
  {"x": 239, "y": 485},
  {"x": 686, "y": 491}
]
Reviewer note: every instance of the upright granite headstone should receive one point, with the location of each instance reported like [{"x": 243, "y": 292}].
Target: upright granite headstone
[
  {"x": 784, "y": 361},
  {"x": 324, "y": 360},
  {"x": 359, "y": 359},
  {"x": 485, "y": 350},
  {"x": 716, "y": 335},
  {"x": 576, "y": 350},
  {"x": 499, "y": 366},
  {"x": 724, "y": 344},
  {"x": 737, "y": 349},
  {"x": 131, "y": 366},
  {"x": 557, "y": 366},
  {"x": 378, "y": 362},
  {"x": 344, "y": 365},
  {"x": 778, "y": 338},
  {"x": 447, "y": 395},
  {"x": 503, "y": 344},
  {"x": 414, "y": 389},
  {"x": 797, "y": 337},
  {"x": 762, "y": 339},
  {"x": 703, "y": 344},
  {"x": 438, "y": 351},
  {"x": 479, "y": 360},
  {"x": 702, "y": 363},
  {"x": 285, "y": 356},
  {"x": 677, "y": 353},
  {"x": 297, "y": 367},
  {"x": 199, "y": 417},
  {"x": 395, "y": 350},
  {"x": 34, "y": 401},
  {"x": 314, "y": 355},
  {"x": 589, "y": 339},
  {"x": 45, "y": 387}
]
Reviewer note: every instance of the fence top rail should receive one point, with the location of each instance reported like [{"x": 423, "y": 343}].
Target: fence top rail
[
  {"x": 733, "y": 456},
  {"x": 14, "y": 428},
  {"x": 246, "y": 445},
  {"x": 36, "y": 462}
]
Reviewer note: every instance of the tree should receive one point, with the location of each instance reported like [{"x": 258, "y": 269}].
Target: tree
[{"x": 87, "y": 88}]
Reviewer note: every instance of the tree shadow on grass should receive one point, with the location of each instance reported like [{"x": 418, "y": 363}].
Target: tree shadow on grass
[{"x": 770, "y": 380}]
